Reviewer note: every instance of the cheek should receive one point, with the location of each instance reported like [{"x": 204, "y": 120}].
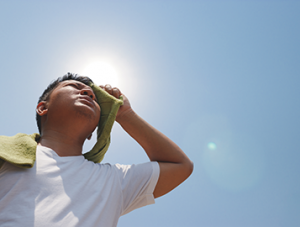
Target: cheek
[
  {"x": 98, "y": 113},
  {"x": 60, "y": 104}
]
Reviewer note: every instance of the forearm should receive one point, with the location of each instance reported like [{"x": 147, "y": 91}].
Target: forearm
[
  {"x": 157, "y": 146},
  {"x": 174, "y": 165}
]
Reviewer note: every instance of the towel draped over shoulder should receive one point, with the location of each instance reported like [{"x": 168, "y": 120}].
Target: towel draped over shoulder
[{"x": 20, "y": 149}]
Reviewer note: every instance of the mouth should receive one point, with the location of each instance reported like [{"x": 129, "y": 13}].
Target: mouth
[{"x": 87, "y": 100}]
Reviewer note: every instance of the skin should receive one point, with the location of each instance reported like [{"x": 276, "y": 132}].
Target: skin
[
  {"x": 66, "y": 138},
  {"x": 71, "y": 101}
]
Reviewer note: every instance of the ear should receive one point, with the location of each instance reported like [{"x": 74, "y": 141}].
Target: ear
[
  {"x": 41, "y": 108},
  {"x": 90, "y": 136}
]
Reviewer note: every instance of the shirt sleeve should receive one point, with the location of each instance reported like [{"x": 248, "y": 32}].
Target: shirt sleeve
[{"x": 137, "y": 183}]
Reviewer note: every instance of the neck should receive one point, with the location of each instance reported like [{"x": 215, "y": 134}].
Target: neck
[
  {"x": 66, "y": 134},
  {"x": 63, "y": 144}
]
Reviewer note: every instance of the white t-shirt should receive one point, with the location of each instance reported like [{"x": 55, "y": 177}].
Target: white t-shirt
[{"x": 71, "y": 191}]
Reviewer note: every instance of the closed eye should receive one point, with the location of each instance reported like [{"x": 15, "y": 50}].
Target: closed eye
[{"x": 74, "y": 85}]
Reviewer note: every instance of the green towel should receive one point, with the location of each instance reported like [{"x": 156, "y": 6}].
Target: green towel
[{"x": 20, "y": 149}]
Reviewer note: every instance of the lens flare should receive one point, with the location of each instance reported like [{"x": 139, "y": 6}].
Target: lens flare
[
  {"x": 211, "y": 146},
  {"x": 232, "y": 160}
]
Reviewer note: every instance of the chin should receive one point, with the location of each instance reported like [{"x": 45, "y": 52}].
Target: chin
[{"x": 89, "y": 116}]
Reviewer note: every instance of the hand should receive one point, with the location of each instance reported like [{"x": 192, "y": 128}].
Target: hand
[{"x": 126, "y": 107}]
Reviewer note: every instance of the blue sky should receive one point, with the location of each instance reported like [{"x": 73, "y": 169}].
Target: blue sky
[{"x": 220, "y": 78}]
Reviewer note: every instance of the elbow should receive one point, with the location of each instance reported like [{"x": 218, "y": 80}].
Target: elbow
[{"x": 189, "y": 168}]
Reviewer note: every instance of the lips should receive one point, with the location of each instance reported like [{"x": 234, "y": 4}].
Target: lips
[{"x": 87, "y": 100}]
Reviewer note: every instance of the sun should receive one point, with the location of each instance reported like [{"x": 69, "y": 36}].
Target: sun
[{"x": 102, "y": 73}]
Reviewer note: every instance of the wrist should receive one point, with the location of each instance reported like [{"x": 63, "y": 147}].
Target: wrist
[{"x": 125, "y": 115}]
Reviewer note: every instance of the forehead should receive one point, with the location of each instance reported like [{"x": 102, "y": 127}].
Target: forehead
[
  {"x": 78, "y": 83},
  {"x": 72, "y": 82}
]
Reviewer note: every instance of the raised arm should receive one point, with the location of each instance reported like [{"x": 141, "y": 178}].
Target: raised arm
[{"x": 175, "y": 166}]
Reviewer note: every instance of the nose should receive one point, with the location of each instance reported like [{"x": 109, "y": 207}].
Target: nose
[{"x": 88, "y": 91}]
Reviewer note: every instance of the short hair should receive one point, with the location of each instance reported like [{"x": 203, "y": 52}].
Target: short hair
[{"x": 46, "y": 94}]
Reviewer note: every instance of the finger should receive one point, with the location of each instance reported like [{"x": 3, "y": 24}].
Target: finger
[
  {"x": 108, "y": 89},
  {"x": 101, "y": 86},
  {"x": 116, "y": 92}
]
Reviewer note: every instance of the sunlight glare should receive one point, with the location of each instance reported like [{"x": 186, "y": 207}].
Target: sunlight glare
[{"x": 102, "y": 73}]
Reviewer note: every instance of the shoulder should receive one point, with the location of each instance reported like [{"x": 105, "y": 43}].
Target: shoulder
[
  {"x": 140, "y": 169},
  {"x": 137, "y": 173}
]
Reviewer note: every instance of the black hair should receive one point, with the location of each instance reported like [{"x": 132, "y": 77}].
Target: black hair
[{"x": 46, "y": 94}]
